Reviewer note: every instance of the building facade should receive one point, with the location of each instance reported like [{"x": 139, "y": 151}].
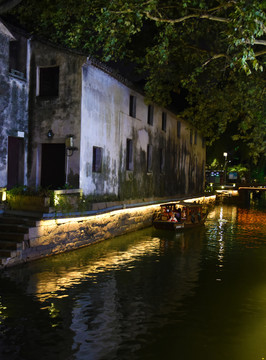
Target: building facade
[
  {"x": 14, "y": 92},
  {"x": 79, "y": 123}
]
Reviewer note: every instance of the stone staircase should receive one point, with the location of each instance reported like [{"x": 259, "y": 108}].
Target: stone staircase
[{"x": 14, "y": 235}]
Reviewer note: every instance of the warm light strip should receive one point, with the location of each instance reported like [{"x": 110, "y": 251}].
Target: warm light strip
[{"x": 120, "y": 211}]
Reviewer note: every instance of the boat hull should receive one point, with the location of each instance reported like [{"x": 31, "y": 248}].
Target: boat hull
[
  {"x": 165, "y": 225},
  {"x": 175, "y": 226}
]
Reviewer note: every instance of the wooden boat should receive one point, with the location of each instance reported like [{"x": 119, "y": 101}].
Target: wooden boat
[{"x": 178, "y": 216}]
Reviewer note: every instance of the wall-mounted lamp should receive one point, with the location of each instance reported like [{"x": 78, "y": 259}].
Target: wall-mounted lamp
[
  {"x": 70, "y": 148},
  {"x": 50, "y": 134},
  {"x": 70, "y": 145}
]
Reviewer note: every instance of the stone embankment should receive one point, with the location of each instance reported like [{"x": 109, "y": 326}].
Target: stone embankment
[{"x": 53, "y": 236}]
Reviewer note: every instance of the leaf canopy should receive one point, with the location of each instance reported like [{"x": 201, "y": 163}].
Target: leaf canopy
[{"x": 214, "y": 51}]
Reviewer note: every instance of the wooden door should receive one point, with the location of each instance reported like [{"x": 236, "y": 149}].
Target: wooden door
[
  {"x": 15, "y": 164},
  {"x": 53, "y": 166}
]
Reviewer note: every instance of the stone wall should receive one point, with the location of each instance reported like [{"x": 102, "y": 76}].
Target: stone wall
[{"x": 59, "y": 235}]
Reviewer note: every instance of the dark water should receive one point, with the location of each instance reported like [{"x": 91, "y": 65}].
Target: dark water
[{"x": 199, "y": 295}]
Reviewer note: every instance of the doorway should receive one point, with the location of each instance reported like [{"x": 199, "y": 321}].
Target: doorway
[
  {"x": 53, "y": 166},
  {"x": 15, "y": 163}
]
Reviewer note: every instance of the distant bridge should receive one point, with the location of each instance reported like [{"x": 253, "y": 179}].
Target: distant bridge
[{"x": 256, "y": 191}]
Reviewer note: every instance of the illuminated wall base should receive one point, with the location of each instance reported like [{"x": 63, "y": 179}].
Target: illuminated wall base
[{"x": 55, "y": 236}]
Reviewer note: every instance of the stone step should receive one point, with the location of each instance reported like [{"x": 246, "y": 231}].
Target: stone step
[
  {"x": 17, "y": 228},
  {"x": 8, "y": 245},
  {"x": 17, "y": 237},
  {"x": 7, "y": 253},
  {"x": 5, "y": 219}
]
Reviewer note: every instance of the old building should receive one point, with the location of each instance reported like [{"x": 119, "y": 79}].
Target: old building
[
  {"x": 75, "y": 121},
  {"x": 14, "y": 90},
  {"x": 132, "y": 149}
]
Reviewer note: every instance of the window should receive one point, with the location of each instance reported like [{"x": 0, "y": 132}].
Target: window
[
  {"x": 191, "y": 136},
  {"x": 132, "y": 106},
  {"x": 149, "y": 158},
  {"x": 195, "y": 138},
  {"x": 150, "y": 114},
  {"x": 129, "y": 159},
  {"x": 18, "y": 57},
  {"x": 162, "y": 160},
  {"x": 164, "y": 117},
  {"x": 97, "y": 159},
  {"x": 179, "y": 129},
  {"x": 48, "y": 81}
]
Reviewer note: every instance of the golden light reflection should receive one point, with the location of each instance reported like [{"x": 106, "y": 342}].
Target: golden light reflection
[
  {"x": 50, "y": 284},
  {"x": 2, "y": 312},
  {"x": 54, "y": 314},
  {"x": 251, "y": 221}
]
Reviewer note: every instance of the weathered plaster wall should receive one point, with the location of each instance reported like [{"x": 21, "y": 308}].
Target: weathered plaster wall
[
  {"x": 106, "y": 123},
  {"x": 60, "y": 113},
  {"x": 13, "y": 107},
  {"x": 100, "y": 127}
]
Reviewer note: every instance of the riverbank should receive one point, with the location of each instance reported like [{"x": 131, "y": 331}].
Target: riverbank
[{"x": 49, "y": 236}]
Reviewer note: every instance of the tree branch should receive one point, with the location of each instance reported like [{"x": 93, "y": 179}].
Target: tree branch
[
  {"x": 256, "y": 41},
  {"x": 259, "y": 53},
  {"x": 218, "y": 56},
  {"x": 214, "y": 57},
  {"x": 184, "y": 18}
]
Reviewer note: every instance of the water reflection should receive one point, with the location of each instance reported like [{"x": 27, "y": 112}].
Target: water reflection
[
  {"x": 51, "y": 284},
  {"x": 147, "y": 295},
  {"x": 111, "y": 295}
]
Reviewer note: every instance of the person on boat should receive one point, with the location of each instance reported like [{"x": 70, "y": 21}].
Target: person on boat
[
  {"x": 172, "y": 217},
  {"x": 199, "y": 216},
  {"x": 178, "y": 215}
]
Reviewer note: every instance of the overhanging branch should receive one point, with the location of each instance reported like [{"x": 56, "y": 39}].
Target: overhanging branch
[{"x": 184, "y": 18}]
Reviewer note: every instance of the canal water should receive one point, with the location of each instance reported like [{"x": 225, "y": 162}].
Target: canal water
[{"x": 199, "y": 294}]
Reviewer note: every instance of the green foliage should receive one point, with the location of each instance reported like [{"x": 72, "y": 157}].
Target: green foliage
[
  {"x": 215, "y": 50},
  {"x": 29, "y": 191},
  {"x": 241, "y": 169},
  {"x": 215, "y": 164},
  {"x": 75, "y": 202}
]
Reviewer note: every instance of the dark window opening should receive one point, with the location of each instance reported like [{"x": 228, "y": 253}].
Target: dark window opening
[
  {"x": 191, "y": 137},
  {"x": 150, "y": 114},
  {"x": 18, "y": 57},
  {"x": 149, "y": 158},
  {"x": 164, "y": 117},
  {"x": 49, "y": 81},
  {"x": 129, "y": 159},
  {"x": 97, "y": 159},
  {"x": 179, "y": 129},
  {"x": 132, "y": 106}
]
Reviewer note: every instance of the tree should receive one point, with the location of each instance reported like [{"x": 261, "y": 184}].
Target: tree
[{"x": 211, "y": 50}]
